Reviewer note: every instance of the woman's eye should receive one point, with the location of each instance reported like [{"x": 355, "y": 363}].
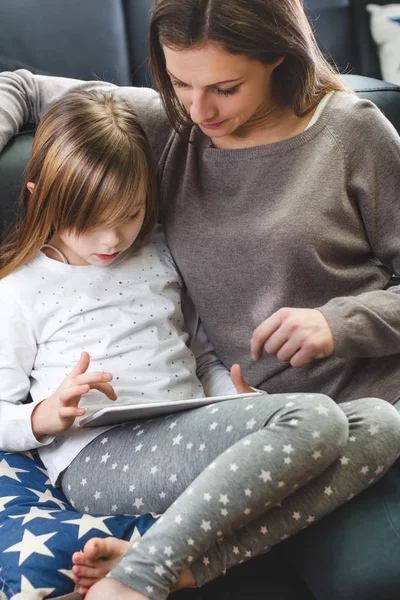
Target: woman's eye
[
  {"x": 227, "y": 92},
  {"x": 177, "y": 83},
  {"x": 133, "y": 217}
]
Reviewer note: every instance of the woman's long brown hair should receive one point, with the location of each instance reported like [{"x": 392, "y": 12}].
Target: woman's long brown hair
[
  {"x": 262, "y": 30},
  {"x": 91, "y": 165}
]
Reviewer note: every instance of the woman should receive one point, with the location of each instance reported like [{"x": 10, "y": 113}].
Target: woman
[{"x": 281, "y": 223}]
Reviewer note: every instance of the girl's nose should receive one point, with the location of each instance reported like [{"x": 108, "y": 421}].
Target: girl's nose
[{"x": 110, "y": 238}]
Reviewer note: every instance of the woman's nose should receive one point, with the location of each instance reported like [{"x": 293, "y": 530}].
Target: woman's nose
[{"x": 201, "y": 109}]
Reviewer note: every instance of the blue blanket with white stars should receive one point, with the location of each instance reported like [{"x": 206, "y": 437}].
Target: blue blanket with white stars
[{"x": 39, "y": 530}]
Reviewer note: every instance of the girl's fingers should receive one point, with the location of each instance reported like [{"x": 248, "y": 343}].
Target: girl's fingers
[
  {"x": 81, "y": 366},
  {"x": 106, "y": 388},
  {"x": 96, "y": 377},
  {"x": 73, "y": 395},
  {"x": 238, "y": 380},
  {"x": 70, "y": 412}
]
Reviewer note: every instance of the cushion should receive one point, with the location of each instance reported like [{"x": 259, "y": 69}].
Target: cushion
[
  {"x": 39, "y": 530},
  {"x": 385, "y": 30}
]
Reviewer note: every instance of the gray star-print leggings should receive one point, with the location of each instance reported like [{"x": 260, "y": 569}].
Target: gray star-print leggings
[{"x": 232, "y": 479}]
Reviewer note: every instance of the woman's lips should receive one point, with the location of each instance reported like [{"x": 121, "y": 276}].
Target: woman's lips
[
  {"x": 211, "y": 125},
  {"x": 106, "y": 257}
]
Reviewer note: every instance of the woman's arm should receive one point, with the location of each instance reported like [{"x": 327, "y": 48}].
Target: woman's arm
[
  {"x": 25, "y": 97},
  {"x": 368, "y": 324}
]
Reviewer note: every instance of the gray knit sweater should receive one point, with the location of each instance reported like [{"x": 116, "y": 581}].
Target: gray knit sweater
[{"x": 309, "y": 222}]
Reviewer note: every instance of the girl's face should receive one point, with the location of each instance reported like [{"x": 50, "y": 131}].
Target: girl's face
[
  {"x": 100, "y": 246},
  {"x": 221, "y": 92}
]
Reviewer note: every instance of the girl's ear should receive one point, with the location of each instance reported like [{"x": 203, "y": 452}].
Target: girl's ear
[{"x": 31, "y": 186}]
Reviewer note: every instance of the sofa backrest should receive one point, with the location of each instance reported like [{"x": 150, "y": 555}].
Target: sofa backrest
[
  {"x": 108, "y": 39},
  {"x": 343, "y": 33},
  {"x": 86, "y": 39}
]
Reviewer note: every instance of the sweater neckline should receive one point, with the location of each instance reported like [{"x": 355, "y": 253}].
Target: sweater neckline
[{"x": 280, "y": 147}]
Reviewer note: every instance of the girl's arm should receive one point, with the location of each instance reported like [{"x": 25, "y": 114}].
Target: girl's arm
[
  {"x": 17, "y": 355},
  {"x": 25, "y": 97}
]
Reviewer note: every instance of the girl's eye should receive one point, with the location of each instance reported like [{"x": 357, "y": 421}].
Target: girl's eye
[{"x": 134, "y": 217}]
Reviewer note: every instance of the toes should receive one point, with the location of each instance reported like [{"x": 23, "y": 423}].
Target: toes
[
  {"x": 77, "y": 558},
  {"x": 85, "y": 571},
  {"x": 86, "y": 582},
  {"x": 94, "y": 549},
  {"x": 83, "y": 591}
]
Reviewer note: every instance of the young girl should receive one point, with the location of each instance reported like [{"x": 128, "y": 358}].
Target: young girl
[{"x": 84, "y": 283}]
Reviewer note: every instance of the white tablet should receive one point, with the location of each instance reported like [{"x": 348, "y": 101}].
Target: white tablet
[{"x": 113, "y": 415}]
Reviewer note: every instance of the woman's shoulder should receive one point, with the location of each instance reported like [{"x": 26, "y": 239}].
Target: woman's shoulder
[
  {"x": 357, "y": 116},
  {"x": 146, "y": 104},
  {"x": 359, "y": 127}
]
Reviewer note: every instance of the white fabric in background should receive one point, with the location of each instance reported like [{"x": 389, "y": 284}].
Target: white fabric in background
[{"x": 385, "y": 30}]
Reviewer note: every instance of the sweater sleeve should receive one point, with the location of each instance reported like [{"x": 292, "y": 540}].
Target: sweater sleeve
[
  {"x": 368, "y": 325},
  {"x": 25, "y": 97},
  {"x": 17, "y": 355},
  {"x": 213, "y": 375}
]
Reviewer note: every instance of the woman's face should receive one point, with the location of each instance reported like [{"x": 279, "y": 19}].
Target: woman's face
[{"x": 221, "y": 92}]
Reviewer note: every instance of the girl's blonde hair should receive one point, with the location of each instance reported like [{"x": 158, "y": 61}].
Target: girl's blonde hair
[
  {"x": 262, "y": 30},
  {"x": 91, "y": 165}
]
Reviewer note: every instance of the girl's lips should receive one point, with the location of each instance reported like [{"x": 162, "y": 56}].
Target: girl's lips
[{"x": 106, "y": 257}]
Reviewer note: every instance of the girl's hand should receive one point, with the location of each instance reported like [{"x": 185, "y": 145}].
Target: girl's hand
[
  {"x": 238, "y": 380},
  {"x": 295, "y": 335},
  {"x": 58, "y": 412}
]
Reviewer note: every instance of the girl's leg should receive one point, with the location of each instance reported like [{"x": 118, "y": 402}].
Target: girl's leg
[
  {"x": 298, "y": 437},
  {"x": 145, "y": 466},
  {"x": 373, "y": 445},
  {"x": 232, "y": 510}
]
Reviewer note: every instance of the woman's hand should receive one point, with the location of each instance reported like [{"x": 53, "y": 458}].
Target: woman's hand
[
  {"x": 295, "y": 335},
  {"x": 58, "y": 412},
  {"x": 239, "y": 382}
]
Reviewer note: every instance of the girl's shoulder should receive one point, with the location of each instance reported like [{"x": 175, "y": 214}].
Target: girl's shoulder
[
  {"x": 25, "y": 281},
  {"x": 154, "y": 256}
]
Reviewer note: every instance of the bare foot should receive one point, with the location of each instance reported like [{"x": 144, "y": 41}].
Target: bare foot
[
  {"x": 99, "y": 556},
  {"x": 96, "y": 560},
  {"x": 111, "y": 588}
]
